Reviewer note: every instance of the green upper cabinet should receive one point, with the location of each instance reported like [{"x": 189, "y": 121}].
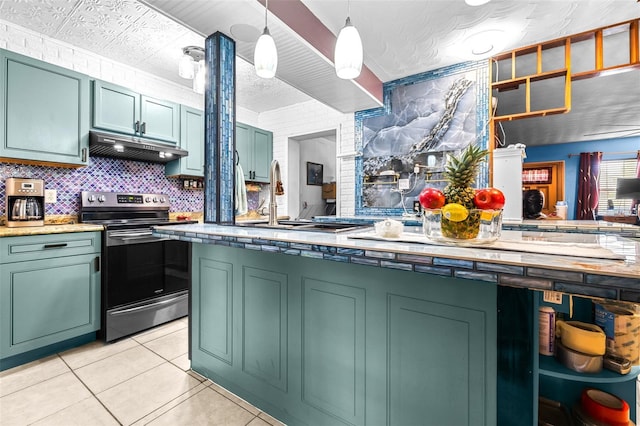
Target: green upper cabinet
[
  {"x": 255, "y": 151},
  {"x": 121, "y": 110},
  {"x": 191, "y": 139},
  {"x": 44, "y": 112}
]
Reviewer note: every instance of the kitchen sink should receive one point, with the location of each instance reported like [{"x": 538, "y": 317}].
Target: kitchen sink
[{"x": 302, "y": 225}]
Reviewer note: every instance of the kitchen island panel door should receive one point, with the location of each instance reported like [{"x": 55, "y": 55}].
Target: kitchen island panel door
[
  {"x": 264, "y": 321},
  {"x": 333, "y": 349},
  {"x": 439, "y": 383},
  {"x": 213, "y": 294}
]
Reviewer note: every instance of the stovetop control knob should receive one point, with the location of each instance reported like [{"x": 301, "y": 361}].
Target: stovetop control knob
[
  {"x": 155, "y": 200},
  {"x": 162, "y": 200},
  {"x": 91, "y": 198},
  {"x": 147, "y": 200},
  {"x": 101, "y": 198}
]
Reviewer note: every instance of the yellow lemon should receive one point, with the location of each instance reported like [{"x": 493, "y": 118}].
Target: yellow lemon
[{"x": 455, "y": 212}]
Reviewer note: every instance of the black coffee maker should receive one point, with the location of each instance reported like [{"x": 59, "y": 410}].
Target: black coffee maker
[
  {"x": 25, "y": 202},
  {"x": 532, "y": 204}
]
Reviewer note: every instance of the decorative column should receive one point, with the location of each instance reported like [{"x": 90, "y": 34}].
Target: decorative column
[{"x": 219, "y": 121}]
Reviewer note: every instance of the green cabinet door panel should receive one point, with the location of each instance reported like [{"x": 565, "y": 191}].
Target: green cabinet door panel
[
  {"x": 446, "y": 345},
  {"x": 46, "y": 301},
  {"x": 191, "y": 139},
  {"x": 160, "y": 119},
  {"x": 244, "y": 149},
  {"x": 264, "y": 319},
  {"x": 255, "y": 152},
  {"x": 44, "y": 111},
  {"x": 215, "y": 290},
  {"x": 263, "y": 154},
  {"x": 333, "y": 349},
  {"x": 115, "y": 108},
  {"x": 121, "y": 110},
  {"x": 319, "y": 342}
]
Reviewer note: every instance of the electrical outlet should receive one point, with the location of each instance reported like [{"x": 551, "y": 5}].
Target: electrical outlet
[
  {"x": 403, "y": 184},
  {"x": 50, "y": 196},
  {"x": 552, "y": 297}
]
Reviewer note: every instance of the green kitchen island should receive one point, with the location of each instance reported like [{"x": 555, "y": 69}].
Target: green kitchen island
[{"x": 321, "y": 329}]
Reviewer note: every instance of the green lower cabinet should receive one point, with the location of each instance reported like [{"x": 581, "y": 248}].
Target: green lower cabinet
[
  {"x": 49, "y": 294},
  {"x": 46, "y": 301},
  {"x": 321, "y": 343}
]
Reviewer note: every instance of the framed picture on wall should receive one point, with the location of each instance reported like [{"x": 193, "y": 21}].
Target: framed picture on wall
[{"x": 314, "y": 173}]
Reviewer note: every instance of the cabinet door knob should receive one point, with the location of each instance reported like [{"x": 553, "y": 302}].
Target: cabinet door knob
[
  {"x": 136, "y": 126},
  {"x": 143, "y": 128}
]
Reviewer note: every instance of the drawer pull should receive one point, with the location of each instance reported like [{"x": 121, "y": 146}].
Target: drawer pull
[{"x": 59, "y": 245}]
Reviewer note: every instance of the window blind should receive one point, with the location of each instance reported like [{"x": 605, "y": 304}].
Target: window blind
[{"x": 610, "y": 171}]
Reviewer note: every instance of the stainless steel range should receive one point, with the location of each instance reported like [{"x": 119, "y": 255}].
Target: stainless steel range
[{"x": 145, "y": 279}]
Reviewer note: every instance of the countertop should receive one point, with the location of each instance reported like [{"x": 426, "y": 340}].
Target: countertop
[
  {"x": 607, "y": 278},
  {"x": 571, "y": 226},
  {"x": 48, "y": 229}
]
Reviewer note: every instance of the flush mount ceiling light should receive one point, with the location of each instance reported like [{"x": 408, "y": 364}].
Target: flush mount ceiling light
[
  {"x": 485, "y": 43},
  {"x": 191, "y": 66},
  {"x": 265, "y": 56},
  {"x": 200, "y": 77},
  {"x": 476, "y": 2},
  {"x": 348, "y": 52}
]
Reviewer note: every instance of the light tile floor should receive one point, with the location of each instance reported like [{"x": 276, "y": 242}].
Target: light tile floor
[{"x": 144, "y": 379}]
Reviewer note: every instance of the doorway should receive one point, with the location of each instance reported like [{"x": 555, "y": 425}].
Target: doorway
[
  {"x": 547, "y": 177},
  {"x": 306, "y": 200}
]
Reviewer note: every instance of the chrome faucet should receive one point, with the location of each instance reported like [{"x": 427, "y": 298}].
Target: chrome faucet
[{"x": 275, "y": 183}]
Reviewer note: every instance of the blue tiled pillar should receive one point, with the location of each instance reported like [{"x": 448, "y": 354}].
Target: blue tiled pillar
[{"x": 220, "y": 118}]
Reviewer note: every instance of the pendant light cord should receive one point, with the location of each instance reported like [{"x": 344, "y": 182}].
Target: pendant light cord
[{"x": 266, "y": 9}]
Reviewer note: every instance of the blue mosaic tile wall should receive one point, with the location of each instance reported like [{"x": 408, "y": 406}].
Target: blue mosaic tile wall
[
  {"x": 481, "y": 85},
  {"x": 220, "y": 123},
  {"x": 103, "y": 174}
]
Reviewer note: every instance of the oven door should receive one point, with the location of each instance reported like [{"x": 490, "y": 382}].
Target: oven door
[{"x": 139, "y": 266}]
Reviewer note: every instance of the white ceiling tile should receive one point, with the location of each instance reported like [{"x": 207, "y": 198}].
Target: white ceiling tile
[{"x": 400, "y": 37}]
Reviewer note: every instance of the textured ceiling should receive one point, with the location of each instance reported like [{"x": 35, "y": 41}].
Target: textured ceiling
[{"x": 400, "y": 38}]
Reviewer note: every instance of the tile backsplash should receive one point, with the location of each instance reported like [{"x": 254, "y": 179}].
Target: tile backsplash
[{"x": 103, "y": 174}]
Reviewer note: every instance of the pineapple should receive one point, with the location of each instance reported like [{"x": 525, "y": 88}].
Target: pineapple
[{"x": 461, "y": 172}]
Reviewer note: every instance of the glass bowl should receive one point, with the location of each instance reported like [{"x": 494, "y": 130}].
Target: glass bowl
[{"x": 480, "y": 227}]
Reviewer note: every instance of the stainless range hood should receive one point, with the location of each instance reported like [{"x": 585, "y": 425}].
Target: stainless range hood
[{"x": 102, "y": 144}]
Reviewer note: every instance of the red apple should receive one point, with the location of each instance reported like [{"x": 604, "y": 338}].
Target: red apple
[
  {"x": 489, "y": 198},
  {"x": 431, "y": 198}
]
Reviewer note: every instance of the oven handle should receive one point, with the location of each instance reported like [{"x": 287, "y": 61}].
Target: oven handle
[
  {"x": 134, "y": 238},
  {"x": 150, "y": 306}
]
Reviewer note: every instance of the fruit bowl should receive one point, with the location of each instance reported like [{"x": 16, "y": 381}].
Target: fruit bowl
[{"x": 479, "y": 227}]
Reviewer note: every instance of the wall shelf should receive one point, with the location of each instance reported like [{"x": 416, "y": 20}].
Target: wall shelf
[{"x": 537, "y": 51}]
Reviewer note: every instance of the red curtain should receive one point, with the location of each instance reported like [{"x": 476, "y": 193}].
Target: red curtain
[{"x": 588, "y": 185}]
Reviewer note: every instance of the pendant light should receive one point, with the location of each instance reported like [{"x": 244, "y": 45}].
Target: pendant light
[
  {"x": 348, "y": 53},
  {"x": 265, "y": 56}
]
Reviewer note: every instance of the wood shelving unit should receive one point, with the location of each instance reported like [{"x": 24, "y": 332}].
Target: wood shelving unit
[{"x": 515, "y": 81}]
